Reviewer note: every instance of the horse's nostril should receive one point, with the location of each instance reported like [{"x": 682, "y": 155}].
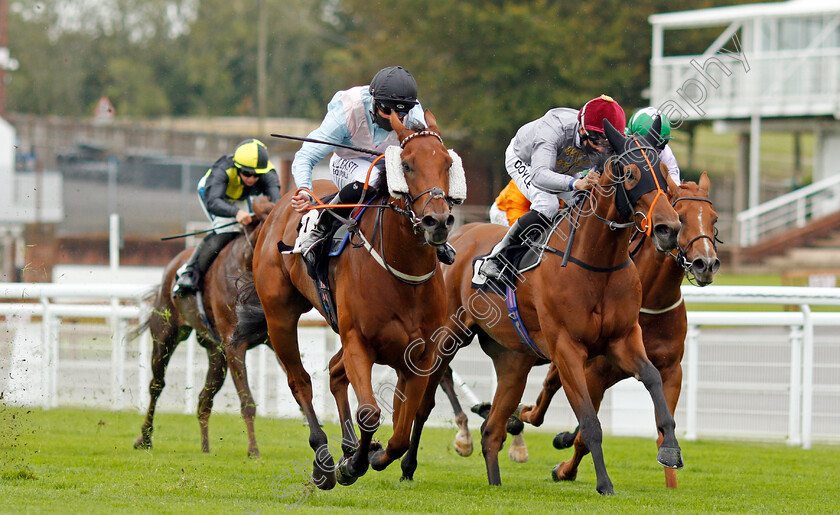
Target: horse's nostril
[
  {"x": 429, "y": 222},
  {"x": 698, "y": 265},
  {"x": 664, "y": 231},
  {"x": 716, "y": 265},
  {"x": 450, "y": 221}
]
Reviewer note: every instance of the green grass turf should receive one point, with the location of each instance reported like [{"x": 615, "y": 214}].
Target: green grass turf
[{"x": 82, "y": 461}]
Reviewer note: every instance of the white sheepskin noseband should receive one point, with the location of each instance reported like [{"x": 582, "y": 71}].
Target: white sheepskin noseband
[{"x": 396, "y": 177}]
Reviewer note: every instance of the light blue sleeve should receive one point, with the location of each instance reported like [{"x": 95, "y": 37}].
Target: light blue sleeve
[{"x": 333, "y": 129}]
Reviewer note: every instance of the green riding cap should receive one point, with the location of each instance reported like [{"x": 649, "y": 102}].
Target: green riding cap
[{"x": 641, "y": 121}]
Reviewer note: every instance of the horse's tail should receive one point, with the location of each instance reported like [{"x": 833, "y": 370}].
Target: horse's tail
[
  {"x": 251, "y": 324},
  {"x": 148, "y": 298}
]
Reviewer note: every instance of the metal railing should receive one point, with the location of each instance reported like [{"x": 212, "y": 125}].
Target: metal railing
[{"x": 790, "y": 211}]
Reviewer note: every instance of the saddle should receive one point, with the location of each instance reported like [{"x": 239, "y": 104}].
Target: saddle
[
  {"x": 517, "y": 259},
  {"x": 336, "y": 241}
]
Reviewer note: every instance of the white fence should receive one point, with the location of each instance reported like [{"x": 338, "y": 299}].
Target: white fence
[{"x": 749, "y": 375}]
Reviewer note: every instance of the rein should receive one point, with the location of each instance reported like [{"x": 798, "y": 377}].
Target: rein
[
  {"x": 410, "y": 215},
  {"x": 413, "y": 280}
]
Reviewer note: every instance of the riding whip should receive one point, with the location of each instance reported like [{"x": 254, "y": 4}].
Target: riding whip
[
  {"x": 310, "y": 140},
  {"x": 197, "y": 232}
]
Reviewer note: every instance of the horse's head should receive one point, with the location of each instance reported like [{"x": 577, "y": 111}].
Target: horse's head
[
  {"x": 641, "y": 187},
  {"x": 261, "y": 207},
  {"x": 697, "y": 251},
  {"x": 423, "y": 175}
]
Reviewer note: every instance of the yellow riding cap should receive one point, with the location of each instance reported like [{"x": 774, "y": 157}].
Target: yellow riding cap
[{"x": 252, "y": 156}]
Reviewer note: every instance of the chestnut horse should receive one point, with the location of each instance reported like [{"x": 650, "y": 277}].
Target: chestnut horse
[
  {"x": 173, "y": 318},
  {"x": 389, "y": 298},
  {"x": 662, "y": 319},
  {"x": 573, "y": 313}
]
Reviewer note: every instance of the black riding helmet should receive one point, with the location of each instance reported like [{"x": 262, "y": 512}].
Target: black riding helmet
[{"x": 394, "y": 88}]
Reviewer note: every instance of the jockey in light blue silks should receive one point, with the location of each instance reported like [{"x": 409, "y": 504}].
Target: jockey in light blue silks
[{"x": 357, "y": 117}]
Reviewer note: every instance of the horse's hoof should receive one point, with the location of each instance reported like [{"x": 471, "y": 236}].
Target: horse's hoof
[
  {"x": 557, "y": 476},
  {"x": 481, "y": 409},
  {"x": 254, "y": 453},
  {"x": 670, "y": 457},
  {"x": 514, "y": 425},
  {"x": 563, "y": 440},
  {"x": 518, "y": 454},
  {"x": 323, "y": 480},
  {"x": 140, "y": 444},
  {"x": 343, "y": 474},
  {"x": 463, "y": 448},
  {"x": 406, "y": 477},
  {"x": 606, "y": 489}
]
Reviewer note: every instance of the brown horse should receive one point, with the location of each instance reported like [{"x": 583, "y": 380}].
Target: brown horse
[
  {"x": 173, "y": 318},
  {"x": 389, "y": 298},
  {"x": 662, "y": 319},
  {"x": 573, "y": 313}
]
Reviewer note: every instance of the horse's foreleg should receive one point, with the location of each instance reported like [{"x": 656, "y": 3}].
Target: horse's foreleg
[
  {"x": 236, "y": 361},
  {"x": 165, "y": 338},
  {"x": 599, "y": 376},
  {"x": 216, "y": 373},
  {"x": 569, "y": 360},
  {"x": 671, "y": 385},
  {"x": 427, "y": 403},
  {"x": 357, "y": 365},
  {"x": 411, "y": 388},
  {"x": 535, "y": 415},
  {"x": 630, "y": 356},
  {"x": 282, "y": 331},
  {"x": 338, "y": 387},
  {"x": 463, "y": 443},
  {"x": 512, "y": 372}
]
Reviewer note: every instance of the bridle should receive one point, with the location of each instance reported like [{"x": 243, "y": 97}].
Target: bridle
[
  {"x": 409, "y": 213},
  {"x": 434, "y": 192},
  {"x": 681, "y": 255},
  {"x": 628, "y": 200}
]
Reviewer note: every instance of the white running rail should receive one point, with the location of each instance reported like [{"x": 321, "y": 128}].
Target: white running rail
[
  {"x": 770, "y": 375},
  {"x": 790, "y": 211}
]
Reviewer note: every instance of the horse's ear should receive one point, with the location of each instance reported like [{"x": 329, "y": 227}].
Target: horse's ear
[
  {"x": 616, "y": 139},
  {"x": 653, "y": 138},
  {"x": 704, "y": 183},
  {"x": 431, "y": 121},
  {"x": 398, "y": 126}
]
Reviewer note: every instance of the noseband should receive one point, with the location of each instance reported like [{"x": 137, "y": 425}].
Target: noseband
[{"x": 682, "y": 253}]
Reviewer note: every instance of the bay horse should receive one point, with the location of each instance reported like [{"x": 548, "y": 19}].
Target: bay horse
[
  {"x": 662, "y": 318},
  {"x": 389, "y": 298},
  {"x": 173, "y": 318},
  {"x": 573, "y": 313}
]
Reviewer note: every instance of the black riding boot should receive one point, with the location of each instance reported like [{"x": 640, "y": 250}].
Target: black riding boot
[
  {"x": 190, "y": 275},
  {"x": 492, "y": 268}
]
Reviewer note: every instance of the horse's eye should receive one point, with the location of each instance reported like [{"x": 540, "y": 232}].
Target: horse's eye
[{"x": 406, "y": 168}]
